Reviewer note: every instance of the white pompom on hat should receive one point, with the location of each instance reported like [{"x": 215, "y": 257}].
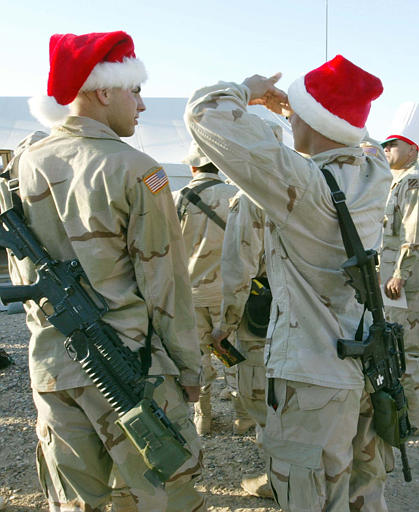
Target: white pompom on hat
[
  {"x": 335, "y": 99},
  {"x": 405, "y": 124},
  {"x": 85, "y": 63}
]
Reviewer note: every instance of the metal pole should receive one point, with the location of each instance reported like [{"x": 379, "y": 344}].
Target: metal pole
[{"x": 327, "y": 24}]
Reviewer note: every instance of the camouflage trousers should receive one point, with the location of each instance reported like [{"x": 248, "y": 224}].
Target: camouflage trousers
[
  {"x": 322, "y": 451},
  {"x": 207, "y": 318},
  {"x": 251, "y": 379},
  {"x": 410, "y": 321},
  {"x": 81, "y": 449}
]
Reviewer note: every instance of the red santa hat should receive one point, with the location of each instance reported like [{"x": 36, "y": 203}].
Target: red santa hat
[
  {"x": 85, "y": 63},
  {"x": 405, "y": 124},
  {"x": 335, "y": 99}
]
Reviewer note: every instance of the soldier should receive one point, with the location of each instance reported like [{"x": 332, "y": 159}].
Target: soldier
[
  {"x": 203, "y": 241},
  {"x": 323, "y": 452},
  {"x": 89, "y": 195},
  {"x": 242, "y": 260},
  {"x": 399, "y": 255}
]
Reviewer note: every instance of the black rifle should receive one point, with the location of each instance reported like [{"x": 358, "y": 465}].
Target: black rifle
[
  {"x": 382, "y": 353},
  {"x": 114, "y": 368}
]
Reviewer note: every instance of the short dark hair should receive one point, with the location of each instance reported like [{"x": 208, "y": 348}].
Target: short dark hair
[{"x": 210, "y": 167}]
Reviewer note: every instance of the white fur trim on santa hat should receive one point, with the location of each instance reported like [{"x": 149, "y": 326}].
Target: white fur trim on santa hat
[
  {"x": 126, "y": 74},
  {"x": 47, "y": 111},
  {"x": 321, "y": 119}
]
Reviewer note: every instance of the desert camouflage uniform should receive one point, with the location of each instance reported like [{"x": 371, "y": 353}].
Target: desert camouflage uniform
[
  {"x": 311, "y": 305},
  {"x": 243, "y": 259},
  {"x": 203, "y": 241},
  {"x": 89, "y": 195},
  {"x": 400, "y": 258}
]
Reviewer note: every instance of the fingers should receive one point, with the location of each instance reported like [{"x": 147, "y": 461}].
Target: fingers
[{"x": 274, "y": 78}]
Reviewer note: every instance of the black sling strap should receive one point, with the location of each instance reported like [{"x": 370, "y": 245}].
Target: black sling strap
[
  {"x": 192, "y": 195},
  {"x": 351, "y": 240}
]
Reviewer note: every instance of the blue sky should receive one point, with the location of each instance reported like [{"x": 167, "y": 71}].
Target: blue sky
[{"x": 186, "y": 44}]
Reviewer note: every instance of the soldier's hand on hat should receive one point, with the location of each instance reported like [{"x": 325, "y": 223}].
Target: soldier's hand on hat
[
  {"x": 277, "y": 102},
  {"x": 192, "y": 393},
  {"x": 393, "y": 287},
  {"x": 260, "y": 85}
]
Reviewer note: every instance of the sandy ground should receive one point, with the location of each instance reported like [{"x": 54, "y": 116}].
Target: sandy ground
[{"x": 227, "y": 456}]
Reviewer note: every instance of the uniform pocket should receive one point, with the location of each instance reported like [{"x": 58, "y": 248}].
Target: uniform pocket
[
  {"x": 297, "y": 477},
  {"x": 316, "y": 397},
  {"x": 46, "y": 465}
]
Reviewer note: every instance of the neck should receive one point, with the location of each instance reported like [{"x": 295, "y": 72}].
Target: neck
[
  {"x": 406, "y": 166},
  {"x": 86, "y": 105}
]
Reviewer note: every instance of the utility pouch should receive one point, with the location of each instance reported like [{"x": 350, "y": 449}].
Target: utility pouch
[
  {"x": 390, "y": 421},
  {"x": 152, "y": 434},
  {"x": 258, "y": 307},
  {"x": 232, "y": 357}
]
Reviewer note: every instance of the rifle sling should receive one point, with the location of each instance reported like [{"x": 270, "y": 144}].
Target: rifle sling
[
  {"x": 351, "y": 239},
  {"x": 192, "y": 195}
]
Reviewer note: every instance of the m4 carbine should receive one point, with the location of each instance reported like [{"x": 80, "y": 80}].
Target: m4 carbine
[
  {"x": 382, "y": 353},
  {"x": 115, "y": 369}
]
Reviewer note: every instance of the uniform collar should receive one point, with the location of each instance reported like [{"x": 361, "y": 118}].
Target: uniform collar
[
  {"x": 79, "y": 126},
  {"x": 398, "y": 176},
  {"x": 347, "y": 155}
]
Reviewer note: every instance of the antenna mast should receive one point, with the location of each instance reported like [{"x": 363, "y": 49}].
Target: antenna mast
[{"x": 327, "y": 25}]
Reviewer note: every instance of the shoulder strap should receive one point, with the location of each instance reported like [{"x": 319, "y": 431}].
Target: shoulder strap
[
  {"x": 191, "y": 195},
  {"x": 351, "y": 240}
]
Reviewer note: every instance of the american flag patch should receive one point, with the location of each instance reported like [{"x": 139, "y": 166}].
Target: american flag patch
[
  {"x": 412, "y": 183},
  {"x": 157, "y": 180},
  {"x": 370, "y": 151}
]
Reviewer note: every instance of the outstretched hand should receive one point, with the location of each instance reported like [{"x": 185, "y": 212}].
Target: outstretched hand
[
  {"x": 264, "y": 92},
  {"x": 218, "y": 336}
]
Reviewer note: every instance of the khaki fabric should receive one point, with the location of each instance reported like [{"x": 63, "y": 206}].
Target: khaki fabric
[
  {"x": 312, "y": 466},
  {"x": 204, "y": 239},
  {"x": 79, "y": 445},
  {"x": 206, "y": 319},
  {"x": 311, "y": 305},
  {"x": 251, "y": 380},
  {"x": 243, "y": 259},
  {"x": 400, "y": 258},
  {"x": 87, "y": 194},
  {"x": 400, "y": 249},
  {"x": 410, "y": 321}
]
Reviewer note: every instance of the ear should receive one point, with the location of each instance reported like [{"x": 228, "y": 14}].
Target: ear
[
  {"x": 413, "y": 152},
  {"x": 103, "y": 96}
]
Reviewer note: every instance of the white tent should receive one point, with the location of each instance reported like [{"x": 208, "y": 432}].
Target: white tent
[{"x": 161, "y": 133}]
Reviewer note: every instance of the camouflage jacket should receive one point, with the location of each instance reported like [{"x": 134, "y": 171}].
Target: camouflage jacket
[
  {"x": 243, "y": 259},
  {"x": 204, "y": 239},
  {"x": 311, "y": 305},
  {"x": 400, "y": 251},
  {"x": 89, "y": 195}
]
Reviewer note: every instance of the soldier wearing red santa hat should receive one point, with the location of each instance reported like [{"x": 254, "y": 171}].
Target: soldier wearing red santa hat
[
  {"x": 400, "y": 252},
  {"x": 87, "y": 194},
  {"x": 322, "y": 450}
]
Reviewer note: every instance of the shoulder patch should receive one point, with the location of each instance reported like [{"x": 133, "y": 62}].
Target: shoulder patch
[
  {"x": 412, "y": 183},
  {"x": 370, "y": 150},
  {"x": 157, "y": 180}
]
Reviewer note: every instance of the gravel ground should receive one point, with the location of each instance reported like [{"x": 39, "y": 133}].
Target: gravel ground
[{"x": 227, "y": 456}]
